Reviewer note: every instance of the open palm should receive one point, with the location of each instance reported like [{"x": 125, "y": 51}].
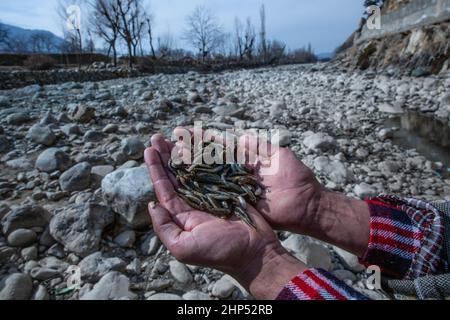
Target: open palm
[
  {"x": 292, "y": 190},
  {"x": 196, "y": 237}
]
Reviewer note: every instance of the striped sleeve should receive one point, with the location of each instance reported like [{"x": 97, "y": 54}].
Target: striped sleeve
[
  {"x": 317, "y": 284},
  {"x": 406, "y": 238}
]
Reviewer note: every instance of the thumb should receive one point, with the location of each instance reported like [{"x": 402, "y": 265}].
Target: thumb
[{"x": 166, "y": 229}]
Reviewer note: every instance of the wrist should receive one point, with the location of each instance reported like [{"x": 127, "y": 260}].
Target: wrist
[
  {"x": 342, "y": 221},
  {"x": 266, "y": 276}
]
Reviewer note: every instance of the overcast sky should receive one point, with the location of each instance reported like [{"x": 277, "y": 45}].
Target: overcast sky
[{"x": 323, "y": 23}]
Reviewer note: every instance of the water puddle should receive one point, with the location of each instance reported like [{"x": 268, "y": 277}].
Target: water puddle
[{"x": 429, "y": 136}]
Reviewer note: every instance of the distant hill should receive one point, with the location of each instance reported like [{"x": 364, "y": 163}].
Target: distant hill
[
  {"x": 26, "y": 40},
  {"x": 325, "y": 56}
]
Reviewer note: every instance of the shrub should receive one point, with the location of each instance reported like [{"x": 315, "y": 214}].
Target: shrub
[{"x": 39, "y": 62}]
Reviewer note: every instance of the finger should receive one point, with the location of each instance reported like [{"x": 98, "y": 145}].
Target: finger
[
  {"x": 164, "y": 225},
  {"x": 159, "y": 143},
  {"x": 164, "y": 188}
]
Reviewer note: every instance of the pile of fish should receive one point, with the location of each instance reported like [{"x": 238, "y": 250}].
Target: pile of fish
[{"x": 222, "y": 190}]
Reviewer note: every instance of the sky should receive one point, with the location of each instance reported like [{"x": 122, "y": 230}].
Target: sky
[{"x": 324, "y": 23}]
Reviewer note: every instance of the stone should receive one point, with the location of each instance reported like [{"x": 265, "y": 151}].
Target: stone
[
  {"x": 76, "y": 178},
  {"x": 133, "y": 148},
  {"x": 95, "y": 266},
  {"x": 150, "y": 245},
  {"x": 195, "y": 295},
  {"x": 18, "y": 118},
  {"x": 125, "y": 239},
  {"x": 128, "y": 192},
  {"x": 285, "y": 138},
  {"x": 388, "y": 108},
  {"x": 180, "y": 272},
  {"x": 386, "y": 133},
  {"x": 164, "y": 297},
  {"x": 313, "y": 254},
  {"x": 334, "y": 169},
  {"x": 93, "y": 136},
  {"x": 71, "y": 129},
  {"x": 389, "y": 167},
  {"x": 364, "y": 191},
  {"x": 43, "y": 273},
  {"x": 42, "y": 134},
  {"x": 224, "y": 287},
  {"x": 349, "y": 260},
  {"x": 345, "y": 275},
  {"x": 5, "y": 145},
  {"x": 112, "y": 286},
  {"x": 319, "y": 141},
  {"x": 102, "y": 171},
  {"x": 82, "y": 114},
  {"x": 25, "y": 217},
  {"x": 231, "y": 110},
  {"x": 277, "y": 109},
  {"x": 4, "y": 209},
  {"x": 17, "y": 286},
  {"x": 110, "y": 128},
  {"x": 53, "y": 159},
  {"x": 40, "y": 294},
  {"x": 30, "y": 253},
  {"x": 20, "y": 163},
  {"x": 79, "y": 228},
  {"x": 21, "y": 238}
]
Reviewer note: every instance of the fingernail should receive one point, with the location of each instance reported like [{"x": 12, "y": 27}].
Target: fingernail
[{"x": 152, "y": 205}]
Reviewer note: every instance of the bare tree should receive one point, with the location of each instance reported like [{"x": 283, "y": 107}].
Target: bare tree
[
  {"x": 41, "y": 42},
  {"x": 166, "y": 45},
  {"x": 106, "y": 22},
  {"x": 244, "y": 40},
  {"x": 238, "y": 45},
  {"x": 149, "y": 25},
  {"x": 262, "y": 33},
  {"x": 132, "y": 24},
  {"x": 203, "y": 31}
]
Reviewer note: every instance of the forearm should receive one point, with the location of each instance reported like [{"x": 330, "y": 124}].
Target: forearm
[
  {"x": 341, "y": 221},
  {"x": 267, "y": 276}
]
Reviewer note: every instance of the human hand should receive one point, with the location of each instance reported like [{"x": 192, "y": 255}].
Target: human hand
[{"x": 195, "y": 237}]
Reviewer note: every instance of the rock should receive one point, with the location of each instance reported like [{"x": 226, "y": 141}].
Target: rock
[
  {"x": 43, "y": 274},
  {"x": 93, "y": 136},
  {"x": 79, "y": 228},
  {"x": 319, "y": 141},
  {"x": 24, "y": 217},
  {"x": 224, "y": 287},
  {"x": 445, "y": 100},
  {"x": 20, "y": 163},
  {"x": 17, "y": 286},
  {"x": 110, "y": 128},
  {"x": 349, "y": 260},
  {"x": 5, "y": 145},
  {"x": 345, "y": 275},
  {"x": 285, "y": 138},
  {"x": 112, "y": 286},
  {"x": 388, "y": 167},
  {"x": 76, "y": 178},
  {"x": 128, "y": 192},
  {"x": 364, "y": 191},
  {"x": 150, "y": 244},
  {"x": 4, "y": 209},
  {"x": 277, "y": 109},
  {"x": 334, "y": 169},
  {"x": 180, "y": 272},
  {"x": 231, "y": 110},
  {"x": 196, "y": 295},
  {"x": 164, "y": 297},
  {"x": 18, "y": 118},
  {"x": 82, "y": 114},
  {"x": 95, "y": 266},
  {"x": 133, "y": 148},
  {"x": 30, "y": 253},
  {"x": 313, "y": 254},
  {"x": 102, "y": 171},
  {"x": 71, "y": 129},
  {"x": 388, "y": 108},
  {"x": 386, "y": 133},
  {"x": 53, "y": 159},
  {"x": 42, "y": 134},
  {"x": 41, "y": 294},
  {"x": 48, "y": 118},
  {"x": 125, "y": 239},
  {"x": 21, "y": 238}
]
